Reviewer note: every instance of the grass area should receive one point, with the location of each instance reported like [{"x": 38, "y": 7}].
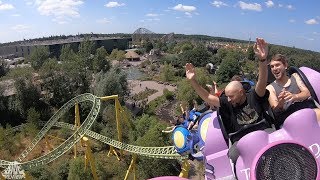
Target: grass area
[
  {"x": 144, "y": 94},
  {"x": 152, "y": 106}
]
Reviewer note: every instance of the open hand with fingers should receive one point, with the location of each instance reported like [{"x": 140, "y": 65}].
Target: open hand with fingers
[
  {"x": 288, "y": 96},
  {"x": 190, "y": 71},
  {"x": 261, "y": 49}
]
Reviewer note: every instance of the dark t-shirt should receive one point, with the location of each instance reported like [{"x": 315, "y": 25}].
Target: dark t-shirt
[{"x": 251, "y": 111}]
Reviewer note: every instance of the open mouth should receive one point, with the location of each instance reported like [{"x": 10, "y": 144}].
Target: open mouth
[{"x": 276, "y": 74}]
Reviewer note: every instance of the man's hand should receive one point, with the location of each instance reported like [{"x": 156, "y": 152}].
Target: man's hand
[
  {"x": 289, "y": 96},
  {"x": 261, "y": 49},
  {"x": 281, "y": 99},
  {"x": 190, "y": 71}
]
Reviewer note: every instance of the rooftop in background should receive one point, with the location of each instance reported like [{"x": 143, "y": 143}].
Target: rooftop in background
[
  {"x": 62, "y": 39},
  {"x": 65, "y": 41}
]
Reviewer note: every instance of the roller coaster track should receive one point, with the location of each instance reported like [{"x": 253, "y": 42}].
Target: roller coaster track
[{"x": 167, "y": 152}]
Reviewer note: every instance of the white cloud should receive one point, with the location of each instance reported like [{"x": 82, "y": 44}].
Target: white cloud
[
  {"x": 113, "y": 4},
  {"x": 61, "y": 20},
  {"x": 290, "y": 7},
  {"x": 153, "y": 19},
  {"x": 103, "y": 21},
  {"x": 311, "y": 39},
  {"x": 152, "y": 15},
  {"x": 188, "y": 14},
  {"x": 178, "y": 17},
  {"x": 316, "y": 33},
  {"x": 16, "y": 15},
  {"x": 20, "y": 28},
  {"x": 292, "y": 21},
  {"x": 5, "y": 6},
  {"x": 218, "y": 4},
  {"x": 184, "y": 8},
  {"x": 311, "y": 21},
  {"x": 59, "y": 8},
  {"x": 249, "y": 6},
  {"x": 280, "y": 5},
  {"x": 269, "y": 4}
]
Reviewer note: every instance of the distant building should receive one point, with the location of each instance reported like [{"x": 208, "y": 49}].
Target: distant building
[
  {"x": 24, "y": 49},
  {"x": 132, "y": 56}
]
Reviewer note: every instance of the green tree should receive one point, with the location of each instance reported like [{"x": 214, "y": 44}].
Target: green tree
[
  {"x": 100, "y": 62},
  {"x": 64, "y": 81},
  {"x": 27, "y": 95},
  {"x": 250, "y": 53},
  {"x": 114, "y": 53},
  {"x": 121, "y": 55},
  {"x": 185, "y": 90},
  {"x": 9, "y": 140},
  {"x": 250, "y": 69},
  {"x": 112, "y": 82},
  {"x": 228, "y": 68},
  {"x": 148, "y": 133},
  {"x": 170, "y": 59},
  {"x": 38, "y": 56},
  {"x": 60, "y": 170},
  {"x": 41, "y": 172},
  {"x": 33, "y": 116},
  {"x": 67, "y": 54},
  {"x": 167, "y": 72},
  {"x": 2, "y": 137},
  {"x": 168, "y": 94},
  {"x": 148, "y": 46},
  {"x": 199, "y": 57},
  {"x": 186, "y": 47},
  {"x": 77, "y": 171},
  {"x": 86, "y": 49}
]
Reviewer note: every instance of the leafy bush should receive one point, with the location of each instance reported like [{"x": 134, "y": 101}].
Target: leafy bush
[{"x": 168, "y": 94}]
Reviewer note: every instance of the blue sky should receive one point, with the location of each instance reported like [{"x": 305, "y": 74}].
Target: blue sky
[{"x": 286, "y": 22}]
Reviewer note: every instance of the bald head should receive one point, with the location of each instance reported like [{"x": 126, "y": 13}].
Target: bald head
[
  {"x": 235, "y": 93},
  {"x": 234, "y": 86}
]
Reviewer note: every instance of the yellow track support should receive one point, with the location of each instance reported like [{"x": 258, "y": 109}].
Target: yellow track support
[
  {"x": 185, "y": 169},
  {"x": 77, "y": 125},
  {"x": 48, "y": 143},
  {"x": 112, "y": 151},
  {"x": 1, "y": 176},
  {"x": 132, "y": 168},
  {"x": 89, "y": 158},
  {"x": 27, "y": 176},
  {"x": 119, "y": 111}
]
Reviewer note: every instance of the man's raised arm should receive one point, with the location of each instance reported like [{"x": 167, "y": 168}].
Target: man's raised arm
[
  {"x": 261, "y": 50},
  {"x": 203, "y": 93}
]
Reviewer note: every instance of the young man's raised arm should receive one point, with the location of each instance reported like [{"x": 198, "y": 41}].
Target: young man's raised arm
[
  {"x": 203, "y": 93},
  {"x": 261, "y": 50}
]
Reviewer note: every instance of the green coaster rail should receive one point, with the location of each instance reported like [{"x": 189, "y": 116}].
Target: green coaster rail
[{"x": 167, "y": 152}]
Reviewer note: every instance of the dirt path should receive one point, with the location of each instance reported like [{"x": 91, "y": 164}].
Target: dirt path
[{"x": 137, "y": 86}]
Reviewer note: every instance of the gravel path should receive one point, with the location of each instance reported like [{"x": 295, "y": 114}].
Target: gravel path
[{"x": 137, "y": 86}]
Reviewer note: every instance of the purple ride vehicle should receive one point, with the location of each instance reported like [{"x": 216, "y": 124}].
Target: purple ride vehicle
[{"x": 291, "y": 152}]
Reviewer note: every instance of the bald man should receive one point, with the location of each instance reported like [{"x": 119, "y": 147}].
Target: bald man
[{"x": 238, "y": 108}]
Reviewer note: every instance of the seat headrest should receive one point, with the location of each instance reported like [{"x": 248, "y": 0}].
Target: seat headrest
[{"x": 246, "y": 85}]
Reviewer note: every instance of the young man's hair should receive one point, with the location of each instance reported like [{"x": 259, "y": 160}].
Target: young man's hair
[
  {"x": 236, "y": 78},
  {"x": 279, "y": 57}
]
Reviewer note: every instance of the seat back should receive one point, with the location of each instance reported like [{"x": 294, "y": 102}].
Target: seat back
[{"x": 305, "y": 80}]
